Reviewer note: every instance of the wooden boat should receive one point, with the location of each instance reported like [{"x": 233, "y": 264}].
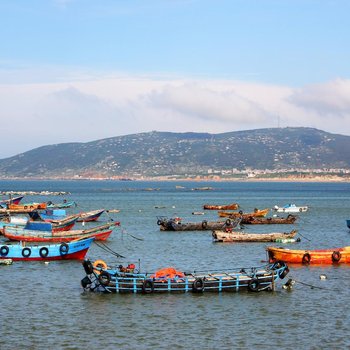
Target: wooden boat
[
  {"x": 62, "y": 205},
  {"x": 100, "y": 233},
  {"x": 290, "y": 208},
  {"x": 175, "y": 224},
  {"x": 99, "y": 277},
  {"x": 232, "y": 206},
  {"x": 321, "y": 256},
  {"x": 90, "y": 215},
  {"x": 229, "y": 236},
  {"x": 256, "y": 213},
  {"x": 52, "y": 225},
  {"x": 254, "y": 220},
  {"x": 59, "y": 251},
  {"x": 30, "y": 206},
  {"x": 6, "y": 202}
]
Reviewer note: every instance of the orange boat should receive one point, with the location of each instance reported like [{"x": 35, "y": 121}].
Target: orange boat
[
  {"x": 320, "y": 256},
  {"x": 232, "y": 206},
  {"x": 256, "y": 213},
  {"x": 29, "y": 206}
]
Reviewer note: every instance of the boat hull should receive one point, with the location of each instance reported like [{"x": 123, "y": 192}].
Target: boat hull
[
  {"x": 222, "y": 236},
  {"x": 62, "y": 251},
  {"x": 321, "y": 256},
  {"x": 115, "y": 281},
  {"x": 232, "y": 206},
  {"x": 90, "y": 216}
]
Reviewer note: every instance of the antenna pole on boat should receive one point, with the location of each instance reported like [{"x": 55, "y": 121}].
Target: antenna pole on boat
[
  {"x": 273, "y": 281},
  {"x": 139, "y": 266}
]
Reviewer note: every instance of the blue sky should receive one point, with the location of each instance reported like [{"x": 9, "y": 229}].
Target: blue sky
[{"x": 109, "y": 68}]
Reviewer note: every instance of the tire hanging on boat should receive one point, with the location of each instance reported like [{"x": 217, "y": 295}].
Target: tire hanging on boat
[
  {"x": 147, "y": 287},
  {"x": 204, "y": 224},
  {"x": 283, "y": 273},
  {"x": 4, "y": 250},
  {"x": 306, "y": 258},
  {"x": 228, "y": 222},
  {"x": 104, "y": 278},
  {"x": 26, "y": 252},
  {"x": 336, "y": 256},
  {"x": 198, "y": 285},
  {"x": 88, "y": 267},
  {"x": 44, "y": 252},
  {"x": 64, "y": 248},
  {"x": 254, "y": 285}
]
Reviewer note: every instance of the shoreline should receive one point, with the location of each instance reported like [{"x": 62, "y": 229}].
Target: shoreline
[{"x": 308, "y": 179}]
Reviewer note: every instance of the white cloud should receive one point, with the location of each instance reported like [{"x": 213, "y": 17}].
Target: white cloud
[{"x": 82, "y": 110}]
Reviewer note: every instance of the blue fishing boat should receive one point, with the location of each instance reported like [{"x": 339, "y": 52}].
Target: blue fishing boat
[
  {"x": 64, "y": 204},
  {"x": 60, "y": 251},
  {"x": 99, "y": 277}
]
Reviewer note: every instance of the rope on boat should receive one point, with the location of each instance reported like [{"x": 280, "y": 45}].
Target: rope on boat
[
  {"x": 108, "y": 250},
  {"x": 304, "y": 237},
  {"x": 291, "y": 281}
]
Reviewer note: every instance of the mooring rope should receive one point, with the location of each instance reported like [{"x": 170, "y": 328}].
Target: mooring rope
[
  {"x": 124, "y": 231},
  {"x": 109, "y": 250}
]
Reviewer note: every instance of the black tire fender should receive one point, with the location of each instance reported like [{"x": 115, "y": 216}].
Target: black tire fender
[
  {"x": 64, "y": 248},
  {"x": 228, "y": 222},
  {"x": 4, "y": 250},
  {"x": 336, "y": 256},
  {"x": 283, "y": 273},
  {"x": 88, "y": 267},
  {"x": 198, "y": 285},
  {"x": 26, "y": 252},
  {"x": 254, "y": 285},
  {"x": 306, "y": 259},
  {"x": 204, "y": 224},
  {"x": 44, "y": 252},
  {"x": 147, "y": 287},
  {"x": 104, "y": 278}
]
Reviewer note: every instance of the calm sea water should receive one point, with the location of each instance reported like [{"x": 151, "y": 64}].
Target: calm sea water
[{"x": 43, "y": 306}]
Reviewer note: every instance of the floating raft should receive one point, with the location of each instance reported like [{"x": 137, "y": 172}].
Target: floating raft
[{"x": 253, "y": 220}]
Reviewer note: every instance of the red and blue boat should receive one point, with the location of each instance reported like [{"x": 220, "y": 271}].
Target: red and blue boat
[{"x": 46, "y": 252}]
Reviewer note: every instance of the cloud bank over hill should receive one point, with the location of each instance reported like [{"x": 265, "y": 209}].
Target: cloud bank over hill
[{"x": 86, "y": 109}]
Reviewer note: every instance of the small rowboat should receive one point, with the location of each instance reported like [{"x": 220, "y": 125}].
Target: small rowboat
[
  {"x": 90, "y": 215},
  {"x": 232, "y": 206},
  {"x": 227, "y": 236},
  {"x": 321, "y": 256},
  {"x": 256, "y": 213},
  {"x": 15, "y": 200},
  {"x": 62, "y": 205},
  {"x": 175, "y": 224},
  {"x": 59, "y": 251},
  {"x": 50, "y": 225},
  {"x": 253, "y": 220},
  {"x": 28, "y": 206},
  {"x": 100, "y": 233},
  {"x": 290, "y": 208},
  {"x": 99, "y": 277}
]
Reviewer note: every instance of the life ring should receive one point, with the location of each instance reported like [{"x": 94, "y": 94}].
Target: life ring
[
  {"x": 306, "y": 258},
  {"x": 254, "y": 285},
  {"x": 64, "y": 248},
  {"x": 26, "y": 252},
  {"x": 204, "y": 224},
  {"x": 147, "y": 287},
  {"x": 104, "y": 278},
  {"x": 336, "y": 256},
  {"x": 4, "y": 250},
  {"x": 44, "y": 252},
  {"x": 228, "y": 222},
  {"x": 99, "y": 264},
  {"x": 88, "y": 267},
  {"x": 198, "y": 285}
]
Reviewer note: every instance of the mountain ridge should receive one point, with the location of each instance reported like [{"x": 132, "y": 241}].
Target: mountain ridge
[{"x": 156, "y": 153}]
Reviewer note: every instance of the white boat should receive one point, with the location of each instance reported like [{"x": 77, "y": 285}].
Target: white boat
[{"x": 290, "y": 208}]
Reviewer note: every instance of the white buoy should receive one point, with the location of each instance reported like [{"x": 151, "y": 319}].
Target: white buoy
[
  {"x": 47, "y": 263},
  {"x": 323, "y": 277}
]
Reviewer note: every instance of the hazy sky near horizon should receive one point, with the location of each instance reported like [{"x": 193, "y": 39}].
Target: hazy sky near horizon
[{"x": 82, "y": 70}]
